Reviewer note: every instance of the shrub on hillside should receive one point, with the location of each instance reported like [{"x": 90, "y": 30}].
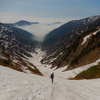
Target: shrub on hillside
[
  {"x": 91, "y": 73},
  {"x": 6, "y": 62}
]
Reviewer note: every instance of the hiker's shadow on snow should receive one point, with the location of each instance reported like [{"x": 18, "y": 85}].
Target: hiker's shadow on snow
[{"x": 52, "y": 91}]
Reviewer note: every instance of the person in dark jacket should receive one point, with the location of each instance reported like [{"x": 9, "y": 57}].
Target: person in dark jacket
[{"x": 52, "y": 77}]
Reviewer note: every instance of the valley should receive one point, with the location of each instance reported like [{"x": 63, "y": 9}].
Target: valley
[
  {"x": 49, "y": 50},
  {"x": 55, "y": 44},
  {"x": 30, "y": 52}
]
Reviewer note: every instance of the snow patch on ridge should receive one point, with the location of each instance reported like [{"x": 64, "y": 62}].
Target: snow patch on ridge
[{"x": 88, "y": 36}]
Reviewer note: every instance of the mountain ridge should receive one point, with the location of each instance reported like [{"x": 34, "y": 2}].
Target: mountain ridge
[
  {"x": 53, "y": 37},
  {"x": 61, "y": 49},
  {"x": 23, "y": 22},
  {"x": 65, "y": 55},
  {"x": 15, "y": 50}
]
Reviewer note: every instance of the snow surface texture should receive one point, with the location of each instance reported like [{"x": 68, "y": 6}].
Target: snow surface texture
[{"x": 16, "y": 85}]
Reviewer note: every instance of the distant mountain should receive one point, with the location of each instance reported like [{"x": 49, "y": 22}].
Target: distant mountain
[
  {"x": 55, "y": 39},
  {"x": 35, "y": 22},
  {"x": 23, "y": 22},
  {"x": 75, "y": 48},
  {"x": 15, "y": 48},
  {"x": 54, "y": 23}
]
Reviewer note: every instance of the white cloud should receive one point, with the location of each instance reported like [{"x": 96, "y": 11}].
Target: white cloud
[{"x": 40, "y": 30}]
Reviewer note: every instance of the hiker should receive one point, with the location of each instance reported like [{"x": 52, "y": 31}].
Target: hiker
[{"x": 52, "y": 76}]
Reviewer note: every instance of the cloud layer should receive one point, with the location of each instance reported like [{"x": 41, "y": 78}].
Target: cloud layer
[{"x": 40, "y": 30}]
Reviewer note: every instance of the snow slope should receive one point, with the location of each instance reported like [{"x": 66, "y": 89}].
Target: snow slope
[
  {"x": 16, "y": 85},
  {"x": 46, "y": 69}
]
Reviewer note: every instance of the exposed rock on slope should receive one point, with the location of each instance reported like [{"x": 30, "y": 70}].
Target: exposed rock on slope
[
  {"x": 73, "y": 50},
  {"x": 14, "y": 50},
  {"x": 66, "y": 34}
]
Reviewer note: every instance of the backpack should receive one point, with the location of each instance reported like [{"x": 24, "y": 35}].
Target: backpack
[{"x": 51, "y": 76}]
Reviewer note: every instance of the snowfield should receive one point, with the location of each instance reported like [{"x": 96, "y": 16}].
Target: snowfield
[{"x": 15, "y": 85}]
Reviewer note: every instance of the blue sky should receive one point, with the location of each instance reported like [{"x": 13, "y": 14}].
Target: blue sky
[{"x": 47, "y": 10}]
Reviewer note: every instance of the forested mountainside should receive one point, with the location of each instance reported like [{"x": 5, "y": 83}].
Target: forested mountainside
[
  {"x": 15, "y": 48},
  {"x": 73, "y": 51},
  {"x": 65, "y": 34}
]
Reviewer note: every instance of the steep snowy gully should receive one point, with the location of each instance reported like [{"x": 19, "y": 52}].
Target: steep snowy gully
[{"x": 16, "y": 85}]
